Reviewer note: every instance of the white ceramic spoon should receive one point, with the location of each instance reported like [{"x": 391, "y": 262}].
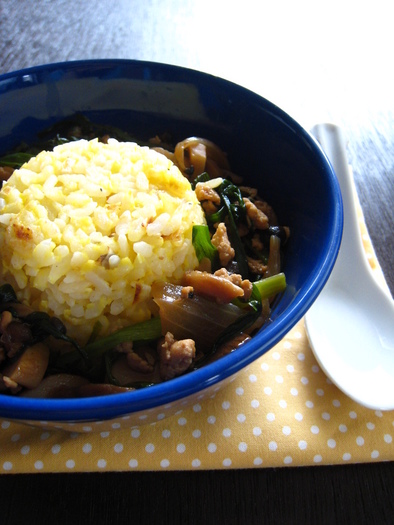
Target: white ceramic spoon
[{"x": 350, "y": 326}]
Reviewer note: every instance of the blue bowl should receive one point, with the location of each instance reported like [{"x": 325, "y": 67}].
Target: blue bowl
[{"x": 272, "y": 151}]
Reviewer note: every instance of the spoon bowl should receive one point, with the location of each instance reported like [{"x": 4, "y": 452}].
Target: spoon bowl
[{"x": 350, "y": 326}]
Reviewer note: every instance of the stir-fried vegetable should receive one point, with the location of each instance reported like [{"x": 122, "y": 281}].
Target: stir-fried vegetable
[
  {"x": 204, "y": 248},
  {"x": 271, "y": 286},
  {"x": 193, "y": 317},
  {"x": 88, "y": 360},
  {"x": 253, "y": 310},
  {"x": 40, "y": 323},
  {"x": 187, "y": 314},
  {"x": 67, "y": 130}
]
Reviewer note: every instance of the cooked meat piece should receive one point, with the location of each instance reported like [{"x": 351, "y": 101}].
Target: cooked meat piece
[
  {"x": 138, "y": 363},
  {"x": 221, "y": 242},
  {"x": 243, "y": 229},
  {"x": 257, "y": 243},
  {"x": 256, "y": 266},
  {"x": 187, "y": 292},
  {"x": 209, "y": 207},
  {"x": 175, "y": 356},
  {"x": 258, "y": 217},
  {"x": 134, "y": 360},
  {"x": 267, "y": 210},
  {"x": 236, "y": 279},
  {"x": 247, "y": 190},
  {"x": 204, "y": 192}
]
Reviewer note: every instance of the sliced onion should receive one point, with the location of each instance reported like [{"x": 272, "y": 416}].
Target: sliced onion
[
  {"x": 199, "y": 151},
  {"x": 195, "y": 318}
]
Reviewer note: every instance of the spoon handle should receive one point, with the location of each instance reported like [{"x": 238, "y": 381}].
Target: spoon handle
[
  {"x": 351, "y": 251},
  {"x": 350, "y": 325}
]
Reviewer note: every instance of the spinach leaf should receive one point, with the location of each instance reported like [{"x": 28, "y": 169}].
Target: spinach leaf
[
  {"x": 203, "y": 246},
  {"x": 236, "y": 212},
  {"x": 7, "y": 294}
]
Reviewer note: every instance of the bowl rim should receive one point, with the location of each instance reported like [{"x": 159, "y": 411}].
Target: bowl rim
[{"x": 110, "y": 406}]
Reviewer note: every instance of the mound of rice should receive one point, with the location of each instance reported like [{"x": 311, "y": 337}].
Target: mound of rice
[{"x": 86, "y": 229}]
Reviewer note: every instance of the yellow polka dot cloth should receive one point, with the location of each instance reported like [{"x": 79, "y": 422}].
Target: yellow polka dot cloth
[{"x": 281, "y": 411}]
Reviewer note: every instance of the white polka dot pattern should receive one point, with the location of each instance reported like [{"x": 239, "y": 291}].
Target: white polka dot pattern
[{"x": 281, "y": 411}]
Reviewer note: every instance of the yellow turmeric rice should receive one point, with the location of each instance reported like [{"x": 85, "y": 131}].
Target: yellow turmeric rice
[{"x": 87, "y": 228}]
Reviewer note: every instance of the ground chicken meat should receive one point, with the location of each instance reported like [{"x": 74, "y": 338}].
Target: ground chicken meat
[
  {"x": 236, "y": 279},
  {"x": 175, "y": 356},
  {"x": 209, "y": 207},
  {"x": 243, "y": 229},
  {"x": 247, "y": 190},
  {"x": 134, "y": 360},
  {"x": 258, "y": 217},
  {"x": 138, "y": 363},
  {"x": 255, "y": 266},
  {"x": 221, "y": 242},
  {"x": 267, "y": 210},
  {"x": 204, "y": 192},
  {"x": 187, "y": 292},
  {"x": 257, "y": 243}
]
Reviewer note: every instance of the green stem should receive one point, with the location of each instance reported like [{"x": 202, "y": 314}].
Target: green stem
[
  {"x": 271, "y": 285},
  {"x": 144, "y": 331},
  {"x": 203, "y": 246},
  {"x": 240, "y": 255}
]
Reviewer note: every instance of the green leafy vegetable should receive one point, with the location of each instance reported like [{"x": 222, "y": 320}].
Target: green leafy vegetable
[
  {"x": 40, "y": 323},
  {"x": 144, "y": 331},
  {"x": 233, "y": 202},
  {"x": 15, "y": 160},
  {"x": 96, "y": 351},
  {"x": 109, "y": 359},
  {"x": 203, "y": 177},
  {"x": 232, "y": 211},
  {"x": 42, "y": 326},
  {"x": 7, "y": 294},
  {"x": 271, "y": 285},
  {"x": 203, "y": 246}
]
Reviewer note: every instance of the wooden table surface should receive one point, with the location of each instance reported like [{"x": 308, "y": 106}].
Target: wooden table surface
[{"x": 317, "y": 61}]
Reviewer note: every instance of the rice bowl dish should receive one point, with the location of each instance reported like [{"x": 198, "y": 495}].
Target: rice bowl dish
[{"x": 272, "y": 152}]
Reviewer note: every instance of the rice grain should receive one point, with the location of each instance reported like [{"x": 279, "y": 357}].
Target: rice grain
[{"x": 86, "y": 229}]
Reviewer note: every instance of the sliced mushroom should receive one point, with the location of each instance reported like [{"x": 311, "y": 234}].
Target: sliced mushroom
[
  {"x": 56, "y": 386},
  {"x": 219, "y": 288},
  {"x": 29, "y": 369}
]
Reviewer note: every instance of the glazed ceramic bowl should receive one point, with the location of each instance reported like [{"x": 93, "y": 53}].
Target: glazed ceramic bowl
[{"x": 272, "y": 151}]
